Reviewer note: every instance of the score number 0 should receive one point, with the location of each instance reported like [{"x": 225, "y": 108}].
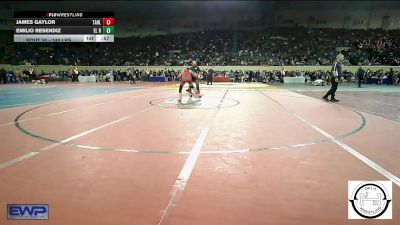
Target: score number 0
[{"x": 108, "y": 21}]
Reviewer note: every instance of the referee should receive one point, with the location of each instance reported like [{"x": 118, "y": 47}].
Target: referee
[{"x": 336, "y": 74}]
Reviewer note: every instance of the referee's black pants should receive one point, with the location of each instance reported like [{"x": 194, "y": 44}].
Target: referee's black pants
[{"x": 333, "y": 89}]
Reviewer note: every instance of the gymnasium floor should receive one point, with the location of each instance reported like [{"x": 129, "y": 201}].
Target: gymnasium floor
[{"x": 109, "y": 154}]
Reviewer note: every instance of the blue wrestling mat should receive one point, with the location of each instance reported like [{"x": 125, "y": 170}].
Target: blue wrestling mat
[{"x": 14, "y": 97}]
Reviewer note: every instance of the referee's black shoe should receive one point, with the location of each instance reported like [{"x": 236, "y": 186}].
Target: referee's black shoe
[{"x": 334, "y": 100}]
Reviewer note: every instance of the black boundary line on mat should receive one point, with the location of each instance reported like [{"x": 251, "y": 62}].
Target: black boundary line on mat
[{"x": 23, "y": 130}]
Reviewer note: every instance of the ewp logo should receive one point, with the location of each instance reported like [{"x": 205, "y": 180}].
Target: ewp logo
[{"x": 28, "y": 212}]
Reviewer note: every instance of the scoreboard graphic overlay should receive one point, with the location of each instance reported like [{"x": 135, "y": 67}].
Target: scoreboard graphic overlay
[{"x": 41, "y": 26}]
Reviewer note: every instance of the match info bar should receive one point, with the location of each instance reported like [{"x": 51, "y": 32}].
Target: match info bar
[{"x": 41, "y": 26}]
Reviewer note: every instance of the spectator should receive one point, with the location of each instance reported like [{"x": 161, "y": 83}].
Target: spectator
[
  {"x": 360, "y": 76},
  {"x": 390, "y": 77},
  {"x": 210, "y": 75},
  {"x": 20, "y": 77},
  {"x": 3, "y": 75}
]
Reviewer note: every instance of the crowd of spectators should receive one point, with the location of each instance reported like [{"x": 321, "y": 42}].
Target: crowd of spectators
[
  {"x": 277, "y": 76},
  {"x": 135, "y": 74},
  {"x": 278, "y": 46}
]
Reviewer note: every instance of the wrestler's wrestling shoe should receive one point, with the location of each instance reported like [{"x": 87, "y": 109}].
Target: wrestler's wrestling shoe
[
  {"x": 197, "y": 94},
  {"x": 189, "y": 93},
  {"x": 179, "y": 98}
]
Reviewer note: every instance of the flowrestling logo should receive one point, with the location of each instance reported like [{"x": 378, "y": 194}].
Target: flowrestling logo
[
  {"x": 370, "y": 200},
  {"x": 27, "y": 211}
]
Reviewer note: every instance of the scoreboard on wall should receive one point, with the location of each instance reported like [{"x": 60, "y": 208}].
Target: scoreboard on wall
[{"x": 42, "y": 26}]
